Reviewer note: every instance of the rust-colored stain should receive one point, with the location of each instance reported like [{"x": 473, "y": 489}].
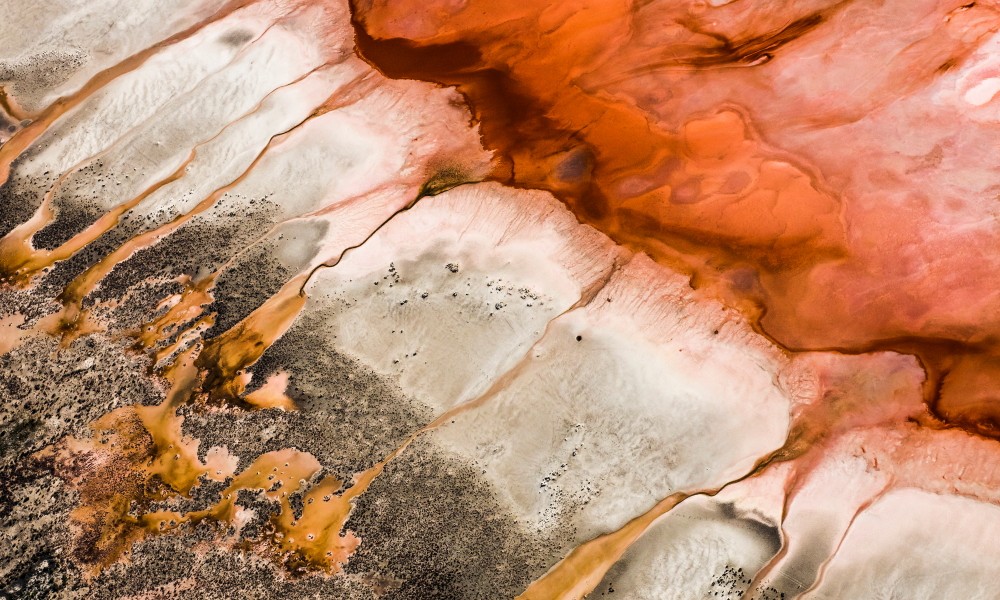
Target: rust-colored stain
[
  {"x": 596, "y": 107},
  {"x": 682, "y": 130}
]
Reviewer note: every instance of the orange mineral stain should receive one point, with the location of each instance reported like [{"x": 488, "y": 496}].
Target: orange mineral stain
[
  {"x": 579, "y": 573},
  {"x": 11, "y": 335},
  {"x": 744, "y": 145},
  {"x": 701, "y": 133},
  {"x": 21, "y": 263},
  {"x": 226, "y": 358},
  {"x": 11, "y": 107},
  {"x": 181, "y": 308},
  {"x": 147, "y": 445},
  {"x": 175, "y": 460},
  {"x": 271, "y": 394}
]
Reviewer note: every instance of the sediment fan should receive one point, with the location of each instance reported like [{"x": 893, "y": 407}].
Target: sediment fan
[{"x": 471, "y": 299}]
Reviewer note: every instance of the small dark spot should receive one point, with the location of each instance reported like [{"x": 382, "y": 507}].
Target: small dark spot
[
  {"x": 947, "y": 65},
  {"x": 575, "y": 166},
  {"x": 237, "y": 38},
  {"x": 579, "y": 338}
]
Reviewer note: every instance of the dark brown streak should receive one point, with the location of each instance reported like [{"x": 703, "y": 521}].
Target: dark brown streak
[
  {"x": 487, "y": 90},
  {"x": 751, "y": 51}
]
